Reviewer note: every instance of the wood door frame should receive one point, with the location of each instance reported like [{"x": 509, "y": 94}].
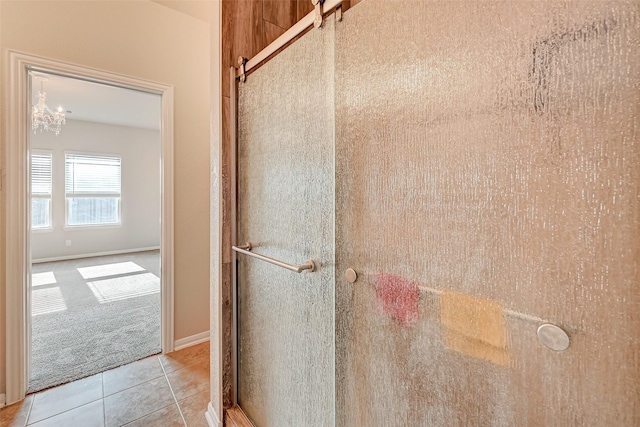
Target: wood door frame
[{"x": 18, "y": 254}]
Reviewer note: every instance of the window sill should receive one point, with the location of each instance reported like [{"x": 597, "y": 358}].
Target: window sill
[
  {"x": 42, "y": 230},
  {"x": 90, "y": 227}
]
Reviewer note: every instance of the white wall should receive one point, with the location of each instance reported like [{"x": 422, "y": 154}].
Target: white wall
[
  {"x": 140, "y": 201},
  {"x": 144, "y": 40}
]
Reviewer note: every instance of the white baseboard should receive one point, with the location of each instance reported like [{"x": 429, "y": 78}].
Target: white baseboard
[
  {"x": 3, "y": 400},
  {"x": 119, "y": 252},
  {"x": 192, "y": 340},
  {"x": 212, "y": 417}
]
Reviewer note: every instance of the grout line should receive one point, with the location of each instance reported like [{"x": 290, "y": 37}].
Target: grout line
[
  {"x": 145, "y": 415},
  {"x": 63, "y": 412},
  {"x": 157, "y": 410},
  {"x": 130, "y": 387},
  {"x": 104, "y": 409},
  {"x": 172, "y": 393},
  {"x": 26, "y": 420}
]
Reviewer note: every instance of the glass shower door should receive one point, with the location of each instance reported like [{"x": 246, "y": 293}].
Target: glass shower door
[
  {"x": 286, "y": 210},
  {"x": 487, "y": 175},
  {"x": 476, "y": 164}
]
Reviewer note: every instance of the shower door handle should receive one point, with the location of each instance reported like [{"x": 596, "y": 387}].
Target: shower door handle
[{"x": 246, "y": 249}]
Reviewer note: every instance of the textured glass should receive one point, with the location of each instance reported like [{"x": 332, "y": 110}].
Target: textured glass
[
  {"x": 487, "y": 177},
  {"x": 286, "y": 209}
]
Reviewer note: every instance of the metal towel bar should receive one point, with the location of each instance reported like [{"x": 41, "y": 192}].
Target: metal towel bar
[{"x": 246, "y": 249}]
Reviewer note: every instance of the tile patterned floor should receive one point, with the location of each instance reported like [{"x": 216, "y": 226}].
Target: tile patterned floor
[{"x": 165, "y": 391}]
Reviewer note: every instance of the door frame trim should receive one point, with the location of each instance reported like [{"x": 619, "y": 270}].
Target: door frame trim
[{"x": 17, "y": 247}]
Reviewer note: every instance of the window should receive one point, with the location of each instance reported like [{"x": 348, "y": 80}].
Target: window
[
  {"x": 92, "y": 189},
  {"x": 41, "y": 178}
]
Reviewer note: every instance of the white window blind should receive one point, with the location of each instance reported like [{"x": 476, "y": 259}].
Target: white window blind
[
  {"x": 41, "y": 184},
  {"x": 92, "y": 187},
  {"x": 41, "y": 174},
  {"x": 92, "y": 175}
]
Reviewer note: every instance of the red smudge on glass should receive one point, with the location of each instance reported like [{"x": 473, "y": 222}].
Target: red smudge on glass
[{"x": 399, "y": 297}]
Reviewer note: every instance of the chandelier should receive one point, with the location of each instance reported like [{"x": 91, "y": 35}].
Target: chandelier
[{"x": 41, "y": 115}]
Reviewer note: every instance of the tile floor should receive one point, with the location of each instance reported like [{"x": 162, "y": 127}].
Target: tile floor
[{"x": 167, "y": 390}]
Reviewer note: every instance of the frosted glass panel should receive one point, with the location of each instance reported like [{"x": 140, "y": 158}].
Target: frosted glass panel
[
  {"x": 487, "y": 175},
  {"x": 286, "y": 209}
]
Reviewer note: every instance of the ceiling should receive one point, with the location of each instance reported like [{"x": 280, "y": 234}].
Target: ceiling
[
  {"x": 95, "y": 102},
  {"x": 195, "y": 8}
]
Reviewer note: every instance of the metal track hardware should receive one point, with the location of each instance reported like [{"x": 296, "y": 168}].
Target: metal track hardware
[
  {"x": 317, "y": 4},
  {"x": 241, "y": 62}
]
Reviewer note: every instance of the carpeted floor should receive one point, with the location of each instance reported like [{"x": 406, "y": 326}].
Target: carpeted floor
[{"x": 93, "y": 314}]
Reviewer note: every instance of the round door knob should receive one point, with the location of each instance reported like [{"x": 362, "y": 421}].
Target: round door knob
[
  {"x": 351, "y": 275},
  {"x": 553, "y": 337}
]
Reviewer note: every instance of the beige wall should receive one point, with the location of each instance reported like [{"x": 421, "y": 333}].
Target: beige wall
[{"x": 145, "y": 40}]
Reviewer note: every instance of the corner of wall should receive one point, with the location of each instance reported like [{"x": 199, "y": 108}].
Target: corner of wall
[
  {"x": 215, "y": 408},
  {"x": 212, "y": 418}
]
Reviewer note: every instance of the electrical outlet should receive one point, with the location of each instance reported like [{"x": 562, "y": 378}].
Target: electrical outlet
[{"x": 67, "y": 243}]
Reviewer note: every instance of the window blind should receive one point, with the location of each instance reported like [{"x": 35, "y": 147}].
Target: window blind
[
  {"x": 92, "y": 175},
  {"x": 41, "y": 174}
]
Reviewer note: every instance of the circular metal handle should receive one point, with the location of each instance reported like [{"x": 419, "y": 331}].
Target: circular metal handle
[
  {"x": 553, "y": 337},
  {"x": 351, "y": 275}
]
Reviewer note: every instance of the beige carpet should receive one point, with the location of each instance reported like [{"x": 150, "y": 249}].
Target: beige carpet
[{"x": 93, "y": 314}]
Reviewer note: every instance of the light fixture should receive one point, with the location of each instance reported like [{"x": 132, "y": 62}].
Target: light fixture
[{"x": 41, "y": 115}]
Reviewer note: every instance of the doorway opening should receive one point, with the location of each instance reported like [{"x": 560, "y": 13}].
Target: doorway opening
[
  {"x": 94, "y": 227},
  {"x": 76, "y": 242}
]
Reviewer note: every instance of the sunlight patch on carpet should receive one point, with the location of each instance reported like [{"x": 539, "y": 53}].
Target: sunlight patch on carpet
[
  {"x": 45, "y": 301},
  {"x": 41, "y": 279},
  {"x": 122, "y": 288},
  {"x": 106, "y": 270}
]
